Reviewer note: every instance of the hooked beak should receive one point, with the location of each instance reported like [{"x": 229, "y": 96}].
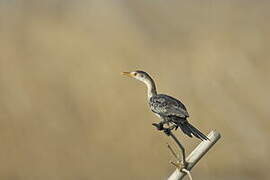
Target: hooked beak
[{"x": 128, "y": 74}]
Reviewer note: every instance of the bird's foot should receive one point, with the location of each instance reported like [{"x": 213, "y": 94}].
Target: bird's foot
[
  {"x": 167, "y": 131},
  {"x": 159, "y": 126},
  {"x": 173, "y": 127}
]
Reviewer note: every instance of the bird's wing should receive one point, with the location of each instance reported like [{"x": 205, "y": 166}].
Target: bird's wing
[{"x": 167, "y": 106}]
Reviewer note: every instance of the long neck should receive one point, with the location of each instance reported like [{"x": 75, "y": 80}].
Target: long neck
[{"x": 151, "y": 88}]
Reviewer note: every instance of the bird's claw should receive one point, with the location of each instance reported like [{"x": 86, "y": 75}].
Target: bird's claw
[
  {"x": 167, "y": 131},
  {"x": 159, "y": 126}
]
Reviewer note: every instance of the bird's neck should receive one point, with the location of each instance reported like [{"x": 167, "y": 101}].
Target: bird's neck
[{"x": 151, "y": 88}]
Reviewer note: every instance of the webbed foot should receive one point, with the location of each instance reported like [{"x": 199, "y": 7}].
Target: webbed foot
[{"x": 159, "y": 126}]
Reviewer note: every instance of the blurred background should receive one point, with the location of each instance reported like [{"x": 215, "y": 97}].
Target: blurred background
[{"x": 67, "y": 113}]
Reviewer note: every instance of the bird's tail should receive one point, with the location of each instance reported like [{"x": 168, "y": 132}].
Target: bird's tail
[{"x": 190, "y": 130}]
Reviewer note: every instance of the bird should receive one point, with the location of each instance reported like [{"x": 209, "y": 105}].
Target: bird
[{"x": 169, "y": 109}]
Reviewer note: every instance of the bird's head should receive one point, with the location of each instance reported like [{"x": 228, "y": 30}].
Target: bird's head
[
  {"x": 139, "y": 75},
  {"x": 146, "y": 79}
]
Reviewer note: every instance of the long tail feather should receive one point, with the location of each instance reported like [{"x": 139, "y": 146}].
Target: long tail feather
[
  {"x": 190, "y": 130},
  {"x": 186, "y": 130}
]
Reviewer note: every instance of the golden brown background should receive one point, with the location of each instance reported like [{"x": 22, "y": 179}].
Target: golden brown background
[{"x": 67, "y": 113}]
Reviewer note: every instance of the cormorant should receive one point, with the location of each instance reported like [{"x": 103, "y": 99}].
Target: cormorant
[{"x": 169, "y": 109}]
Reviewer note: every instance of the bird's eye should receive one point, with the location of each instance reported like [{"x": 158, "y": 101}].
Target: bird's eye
[{"x": 135, "y": 74}]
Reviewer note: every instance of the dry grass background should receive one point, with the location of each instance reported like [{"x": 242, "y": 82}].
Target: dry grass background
[{"x": 67, "y": 113}]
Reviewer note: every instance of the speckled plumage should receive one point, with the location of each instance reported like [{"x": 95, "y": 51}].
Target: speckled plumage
[
  {"x": 169, "y": 109},
  {"x": 167, "y": 106}
]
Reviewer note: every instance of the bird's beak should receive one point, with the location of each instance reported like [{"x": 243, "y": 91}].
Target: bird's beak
[{"x": 127, "y": 74}]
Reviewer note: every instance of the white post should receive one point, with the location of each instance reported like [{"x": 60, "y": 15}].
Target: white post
[{"x": 196, "y": 155}]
